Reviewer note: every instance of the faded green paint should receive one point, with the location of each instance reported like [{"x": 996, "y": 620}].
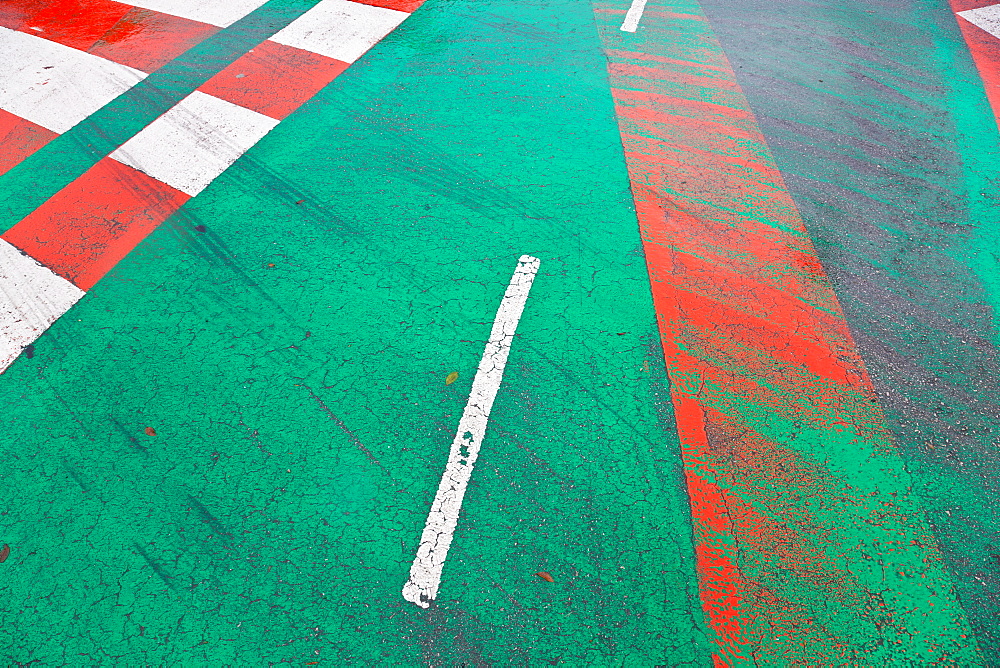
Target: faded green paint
[
  {"x": 254, "y": 527},
  {"x": 883, "y": 132}
]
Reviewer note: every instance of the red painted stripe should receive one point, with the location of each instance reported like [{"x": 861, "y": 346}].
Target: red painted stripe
[
  {"x": 706, "y": 325},
  {"x": 709, "y": 79},
  {"x": 13, "y": 14},
  {"x": 90, "y": 225},
  {"x": 669, "y": 107},
  {"x": 740, "y": 609},
  {"x": 75, "y": 23},
  {"x": 148, "y": 40},
  {"x": 274, "y": 79},
  {"x": 797, "y": 638},
  {"x": 682, "y": 140},
  {"x": 763, "y": 202},
  {"x": 745, "y": 293},
  {"x": 139, "y": 38},
  {"x": 655, "y": 202},
  {"x": 750, "y": 326},
  {"x": 19, "y": 138},
  {"x": 963, "y": 5},
  {"x": 985, "y": 50},
  {"x": 736, "y": 242},
  {"x": 719, "y": 590},
  {"x": 408, "y": 6}
]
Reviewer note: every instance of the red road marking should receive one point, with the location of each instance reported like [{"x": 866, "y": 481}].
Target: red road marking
[
  {"x": 19, "y": 138},
  {"x": 651, "y": 73},
  {"x": 792, "y": 353},
  {"x": 962, "y": 5},
  {"x": 148, "y": 40},
  {"x": 274, "y": 79},
  {"x": 751, "y": 332},
  {"x": 75, "y": 23},
  {"x": 408, "y": 6},
  {"x": 90, "y": 225},
  {"x": 136, "y": 37}
]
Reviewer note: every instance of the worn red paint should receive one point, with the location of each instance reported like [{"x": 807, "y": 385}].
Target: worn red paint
[
  {"x": 19, "y": 138},
  {"x": 408, "y": 6},
  {"x": 14, "y": 14},
  {"x": 651, "y": 75},
  {"x": 746, "y": 314},
  {"x": 90, "y": 225},
  {"x": 274, "y": 79}
]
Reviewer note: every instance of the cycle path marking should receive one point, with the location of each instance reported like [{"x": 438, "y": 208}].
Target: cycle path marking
[{"x": 439, "y": 531}]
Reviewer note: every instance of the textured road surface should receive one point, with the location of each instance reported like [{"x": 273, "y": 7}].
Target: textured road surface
[{"x": 749, "y": 415}]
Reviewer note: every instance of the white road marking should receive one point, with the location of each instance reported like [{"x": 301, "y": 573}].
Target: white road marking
[
  {"x": 634, "y": 14},
  {"x": 194, "y": 142},
  {"x": 220, "y": 13},
  {"x": 31, "y": 299},
  {"x": 425, "y": 573},
  {"x": 340, "y": 29},
  {"x": 54, "y": 85},
  {"x": 987, "y": 18}
]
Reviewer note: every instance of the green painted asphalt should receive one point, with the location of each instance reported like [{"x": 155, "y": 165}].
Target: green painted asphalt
[
  {"x": 880, "y": 124},
  {"x": 301, "y": 413}
]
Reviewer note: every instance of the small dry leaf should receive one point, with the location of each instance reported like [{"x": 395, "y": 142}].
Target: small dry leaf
[
  {"x": 150, "y": 431},
  {"x": 4, "y": 553},
  {"x": 452, "y": 377},
  {"x": 300, "y": 201},
  {"x": 545, "y": 576}
]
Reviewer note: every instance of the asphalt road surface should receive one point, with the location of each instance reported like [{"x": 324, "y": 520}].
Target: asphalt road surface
[{"x": 495, "y": 332}]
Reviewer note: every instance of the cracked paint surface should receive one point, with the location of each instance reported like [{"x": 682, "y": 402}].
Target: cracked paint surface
[
  {"x": 253, "y": 524},
  {"x": 425, "y": 575},
  {"x": 226, "y": 451}
]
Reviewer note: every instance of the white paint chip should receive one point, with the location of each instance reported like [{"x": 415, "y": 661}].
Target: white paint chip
[
  {"x": 56, "y": 86},
  {"x": 194, "y": 142},
  {"x": 987, "y": 18},
  {"x": 425, "y": 573},
  {"x": 31, "y": 299},
  {"x": 633, "y": 15},
  {"x": 220, "y": 13},
  {"x": 340, "y": 29}
]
